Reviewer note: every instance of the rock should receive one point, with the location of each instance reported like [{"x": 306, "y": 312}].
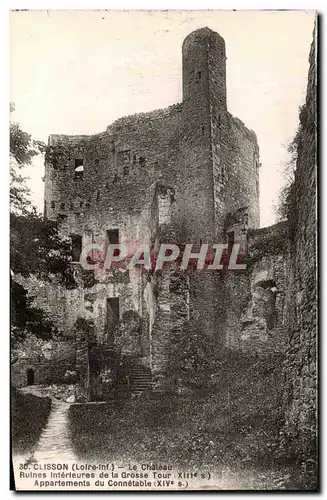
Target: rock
[{"x": 70, "y": 399}]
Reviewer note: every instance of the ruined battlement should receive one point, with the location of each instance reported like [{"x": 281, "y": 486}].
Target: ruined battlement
[
  {"x": 209, "y": 157},
  {"x": 188, "y": 173},
  {"x": 142, "y": 118}
]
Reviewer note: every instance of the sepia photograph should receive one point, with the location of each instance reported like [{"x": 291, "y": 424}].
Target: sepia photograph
[{"x": 163, "y": 250}]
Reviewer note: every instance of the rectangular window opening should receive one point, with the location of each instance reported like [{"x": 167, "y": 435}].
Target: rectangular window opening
[
  {"x": 113, "y": 236},
  {"x": 230, "y": 241},
  {"x": 112, "y": 313},
  {"x": 79, "y": 162},
  {"x": 113, "y": 239},
  {"x": 79, "y": 168},
  {"x": 76, "y": 247}
]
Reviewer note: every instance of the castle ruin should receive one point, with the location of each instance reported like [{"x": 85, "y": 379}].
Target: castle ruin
[{"x": 185, "y": 174}]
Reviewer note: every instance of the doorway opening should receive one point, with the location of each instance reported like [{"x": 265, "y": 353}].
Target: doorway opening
[
  {"x": 30, "y": 377},
  {"x": 112, "y": 319}
]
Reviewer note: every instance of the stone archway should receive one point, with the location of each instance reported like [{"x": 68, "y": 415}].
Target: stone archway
[
  {"x": 265, "y": 302},
  {"x": 260, "y": 317}
]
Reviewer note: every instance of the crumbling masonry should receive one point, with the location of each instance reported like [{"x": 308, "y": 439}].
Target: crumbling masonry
[{"x": 185, "y": 174}]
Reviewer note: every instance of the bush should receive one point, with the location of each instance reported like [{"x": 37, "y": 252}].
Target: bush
[
  {"x": 238, "y": 422},
  {"x": 29, "y": 416}
]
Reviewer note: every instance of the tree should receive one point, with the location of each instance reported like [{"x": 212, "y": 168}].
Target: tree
[
  {"x": 286, "y": 195},
  {"x": 36, "y": 247},
  {"x": 22, "y": 151}
]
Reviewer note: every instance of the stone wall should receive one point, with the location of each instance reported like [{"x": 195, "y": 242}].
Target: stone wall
[
  {"x": 188, "y": 168},
  {"x": 120, "y": 165},
  {"x": 235, "y": 170},
  {"x": 301, "y": 356},
  {"x": 51, "y": 361},
  {"x": 256, "y": 295}
]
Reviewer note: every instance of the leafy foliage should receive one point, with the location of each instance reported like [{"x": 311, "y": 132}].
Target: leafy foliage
[
  {"x": 286, "y": 196},
  {"x": 26, "y": 431},
  {"x": 22, "y": 146},
  {"x": 235, "y": 428},
  {"x": 22, "y": 151},
  {"x": 36, "y": 247},
  {"x": 27, "y": 318},
  {"x": 193, "y": 358}
]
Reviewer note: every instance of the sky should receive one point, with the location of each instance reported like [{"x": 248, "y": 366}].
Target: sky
[{"x": 75, "y": 72}]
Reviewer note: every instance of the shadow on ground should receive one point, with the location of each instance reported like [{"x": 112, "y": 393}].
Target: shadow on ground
[
  {"x": 240, "y": 447},
  {"x": 28, "y": 418}
]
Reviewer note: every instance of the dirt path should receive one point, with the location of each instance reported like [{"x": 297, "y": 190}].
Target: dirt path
[{"x": 54, "y": 443}]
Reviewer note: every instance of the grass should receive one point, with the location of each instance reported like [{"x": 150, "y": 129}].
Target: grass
[
  {"x": 236, "y": 427},
  {"x": 29, "y": 416}
]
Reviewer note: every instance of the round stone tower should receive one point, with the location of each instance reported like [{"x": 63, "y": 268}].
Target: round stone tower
[
  {"x": 204, "y": 97},
  {"x": 204, "y": 67}
]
